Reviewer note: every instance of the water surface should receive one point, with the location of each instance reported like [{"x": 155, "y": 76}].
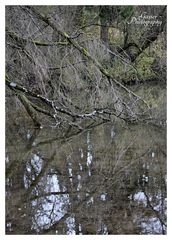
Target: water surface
[{"x": 110, "y": 179}]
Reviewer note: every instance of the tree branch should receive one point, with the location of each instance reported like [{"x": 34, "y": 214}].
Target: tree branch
[
  {"x": 96, "y": 114},
  {"x": 84, "y": 52},
  {"x": 22, "y": 41}
]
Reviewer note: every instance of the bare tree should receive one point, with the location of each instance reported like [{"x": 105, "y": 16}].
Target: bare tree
[{"x": 54, "y": 69}]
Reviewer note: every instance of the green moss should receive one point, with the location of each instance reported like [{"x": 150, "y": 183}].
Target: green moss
[
  {"x": 143, "y": 66},
  {"x": 45, "y": 10},
  {"x": 105, "y": 72},
  {"x": 115, "y": 36},
  {"x": 17, "y": 38},
  {"x": 125, "y": 72},
  {"x": 85, "y": 52},
  {"x": 66, "y": 35}
]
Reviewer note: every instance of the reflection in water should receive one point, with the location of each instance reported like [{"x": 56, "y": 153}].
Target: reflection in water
[
  {"x": 49, "y": 208},
  {"x": 79, "y": 183},
  {"x": 103, "y": 196},
  {"x": 71, "y": 225},
  {"x": 140, "y": 197},
  {"x": 113, "y": 132},
  {"x": 108, "y": 180},
  {"x": 152, "y": 226},
  {"x": 89, "y": 153}
]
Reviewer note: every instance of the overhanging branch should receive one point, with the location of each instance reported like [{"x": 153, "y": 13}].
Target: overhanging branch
[
  {"x": 22, "y": 41},
  {"x": 102, "y": 114},
  {"x": 84, "y": 52}
]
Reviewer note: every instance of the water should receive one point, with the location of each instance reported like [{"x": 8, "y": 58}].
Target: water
[{"x": 110, "y": 179}]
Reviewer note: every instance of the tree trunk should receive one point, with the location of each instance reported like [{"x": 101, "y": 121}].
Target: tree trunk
[
  {"x": 104, "y": 35},
  {"x": 104, "y": 15}
]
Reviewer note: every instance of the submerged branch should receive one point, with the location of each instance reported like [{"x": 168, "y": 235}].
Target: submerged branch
[{"x": 28, "y": 108}]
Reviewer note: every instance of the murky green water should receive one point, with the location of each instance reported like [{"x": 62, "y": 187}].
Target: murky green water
[{"x": 107, "y": 180}]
